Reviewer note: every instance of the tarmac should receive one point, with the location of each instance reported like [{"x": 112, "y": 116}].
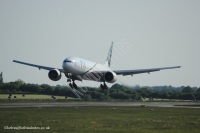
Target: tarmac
[{"x": 112, "y": 104}]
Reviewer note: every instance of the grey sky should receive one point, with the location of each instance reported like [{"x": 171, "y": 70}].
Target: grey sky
[{"x": 162, "y": 33}]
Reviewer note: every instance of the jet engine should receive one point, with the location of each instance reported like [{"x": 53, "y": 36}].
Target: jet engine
[
  {"x": 110, "y": 77},
  {"x": 54, "y": 74}
]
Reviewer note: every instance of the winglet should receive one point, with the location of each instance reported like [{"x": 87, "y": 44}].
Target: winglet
[{"x": 108, "y": 60}]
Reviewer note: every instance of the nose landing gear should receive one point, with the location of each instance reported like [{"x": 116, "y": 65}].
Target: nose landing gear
[{"x": 68, "y": 80}]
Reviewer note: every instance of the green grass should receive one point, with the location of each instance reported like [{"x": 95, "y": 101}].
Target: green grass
[
  {"x": 42, "y": 97},
  {"x": 102, "y": 119},
  {"x": 165, "y": 100},
  {"x": 29, "y": 96},
  {"x": 34, "y": 98}
]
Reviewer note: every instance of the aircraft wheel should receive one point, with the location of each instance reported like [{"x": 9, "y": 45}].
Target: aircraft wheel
[
  {"x": 75, "y": 86},
  {"x": 70, "y": 85},
  {"x": 102, "y": 87}
]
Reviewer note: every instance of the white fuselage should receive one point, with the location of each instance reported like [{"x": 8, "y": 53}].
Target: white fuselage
[{"x": 79, "y": 66}]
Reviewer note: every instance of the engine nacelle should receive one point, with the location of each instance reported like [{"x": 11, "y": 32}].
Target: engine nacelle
[
  {"x": 54, "y": 75},
  {"x": 110, "y": 77}
]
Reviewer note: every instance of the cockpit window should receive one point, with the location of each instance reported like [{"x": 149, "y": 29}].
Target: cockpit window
[{"x": 68, "y": 61}]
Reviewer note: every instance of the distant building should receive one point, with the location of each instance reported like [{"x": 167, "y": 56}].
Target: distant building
[{"x": 1, "y": 77}]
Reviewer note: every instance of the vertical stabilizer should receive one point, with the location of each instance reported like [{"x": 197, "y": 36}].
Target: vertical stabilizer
[{"x": 108, "y": 60}]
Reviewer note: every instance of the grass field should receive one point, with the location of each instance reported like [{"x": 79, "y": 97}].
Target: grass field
[
  {"x": 165, "y": 100},
  {"x": 29, "y": 96},
  {"x": 102, "y": 119},
  {"x": 39, "y": 97},
  {"x": 32, "y": 98}
]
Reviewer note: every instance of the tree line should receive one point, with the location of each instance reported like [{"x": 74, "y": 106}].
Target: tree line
[{"x": 117, "y": 91}]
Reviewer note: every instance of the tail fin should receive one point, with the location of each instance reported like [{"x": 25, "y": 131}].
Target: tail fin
[{"x": 108, "y": 60}]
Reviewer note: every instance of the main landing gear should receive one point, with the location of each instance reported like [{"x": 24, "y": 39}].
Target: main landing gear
[
  {"x": 104, "y": 86},
  {"x": 79, "y": 91},
  {"x": 73, "y": 85}
]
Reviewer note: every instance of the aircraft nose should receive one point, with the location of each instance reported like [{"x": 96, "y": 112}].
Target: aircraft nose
[
  {"x": 67, "y": 66},
  {"x": 64, "y": 65}
]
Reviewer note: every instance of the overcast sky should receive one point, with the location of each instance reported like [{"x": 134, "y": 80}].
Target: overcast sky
[{"x": 162, "y": 33}]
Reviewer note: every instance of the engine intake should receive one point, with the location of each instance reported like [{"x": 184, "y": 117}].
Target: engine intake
[
  {"x": 110, "y": 77},
  {"x": 54, "y": 75}
]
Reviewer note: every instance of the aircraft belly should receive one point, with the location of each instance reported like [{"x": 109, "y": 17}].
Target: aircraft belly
[
  {"x": 92, "y": 77},
  {"x": 95, "y": 74},
  {"x": 100, "y": 67}
]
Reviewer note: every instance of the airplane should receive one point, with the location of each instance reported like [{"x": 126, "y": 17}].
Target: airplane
[{"x": 76, "y": 68}]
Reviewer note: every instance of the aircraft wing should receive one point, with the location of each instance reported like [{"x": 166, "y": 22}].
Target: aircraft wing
[
  {"x": 38, "y": 66},
  {"x": 138, "y": 71}
]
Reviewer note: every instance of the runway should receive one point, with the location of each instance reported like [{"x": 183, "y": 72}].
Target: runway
[{"x": 112, "y": 104}]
